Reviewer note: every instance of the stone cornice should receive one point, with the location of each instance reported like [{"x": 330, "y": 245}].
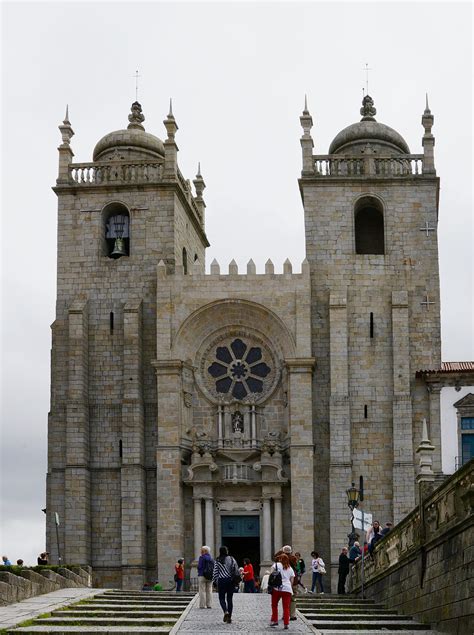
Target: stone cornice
[{"x": 300, "y": 364}]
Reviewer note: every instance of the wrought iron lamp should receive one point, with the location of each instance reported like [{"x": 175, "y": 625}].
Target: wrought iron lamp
[{"x": 353, "y": 497}]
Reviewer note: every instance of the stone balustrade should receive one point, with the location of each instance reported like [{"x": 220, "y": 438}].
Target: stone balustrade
[
  {"x": 104, "y": 172},
  {"x": 238, "y": 473},
  {"x": 422, "y": 566},
  {"x": 336, "y": 165}
]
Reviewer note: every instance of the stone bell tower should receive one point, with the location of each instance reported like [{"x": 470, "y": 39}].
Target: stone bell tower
[
  {"x": 118, "y": 216},
  {"x": 371, "y": 211}
]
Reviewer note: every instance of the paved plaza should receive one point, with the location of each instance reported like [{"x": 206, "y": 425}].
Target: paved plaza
[{"x": 251, "y": 614}]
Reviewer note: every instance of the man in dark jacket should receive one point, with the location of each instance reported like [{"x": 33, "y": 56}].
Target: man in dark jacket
[{"x": 343, "y": 571}]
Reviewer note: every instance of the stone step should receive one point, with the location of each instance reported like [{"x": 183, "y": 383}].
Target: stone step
[
  {"x": 342, "y": 606},
  {"x": 86, "y": 630},
  {"x": 371, "y": 632},
  {"x": 338, "y": 599},
  {"x": 100, "y": 621},
  {"x": 380, "y": 625},
  {"x": 367, "y": 617},
  {"x": 342, "y": 611},
  {"x": 113, "y": 600},
  {"x": 162, "y": 594},
  {"x": 171, "y": 615},
  {"x": 129, "y": 607}
]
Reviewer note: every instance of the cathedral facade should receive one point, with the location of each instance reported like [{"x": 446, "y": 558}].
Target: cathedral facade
[{"x": 229, "y": 407}]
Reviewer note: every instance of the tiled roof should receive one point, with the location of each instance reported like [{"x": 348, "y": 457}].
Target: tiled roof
[{"x": 449, "y": 367}]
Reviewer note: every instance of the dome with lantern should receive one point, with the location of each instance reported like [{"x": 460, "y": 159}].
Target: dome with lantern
[
  {"x": 382, "y": 139},
  {"x": 132, "y": 143}
]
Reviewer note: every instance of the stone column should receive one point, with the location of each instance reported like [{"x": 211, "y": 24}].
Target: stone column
[
  {"x": 253, "y": 424},
  {"x": 209, "y": 531},
  {"x": 220, "y": 424},
  {"x": 434, "y": 391},
  {"x": 403, "y": 468},
  {"x": 278, "y": 524},
  {"x": 133, "y": 477},
  {"x": 300, "y": 374},
  {"x": 197, "y": 526},
  {"x": 77, "y": 486},
  {"x": 267, "y": 532}
]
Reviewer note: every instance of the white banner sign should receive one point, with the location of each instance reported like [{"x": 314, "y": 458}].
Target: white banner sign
[{"x": 357, "y": 519}]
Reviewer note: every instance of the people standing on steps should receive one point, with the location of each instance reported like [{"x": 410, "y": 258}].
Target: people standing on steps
[
  {"x": 318, "y": 568},
  {"x": 374, "y": 534},
  {"x": 343, "y": 571},
  {"x": 226, "y": 571},
  {"x": 355, "y": 553},
  {"x": 205, "y": 572},
  {"x": 300, "y": 570},
  {"x": 179, "y": 575},
  {"x": 284, "y": 591}
]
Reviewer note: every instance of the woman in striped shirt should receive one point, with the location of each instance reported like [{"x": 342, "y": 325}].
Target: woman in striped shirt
[{"x": 225, "y": 570}]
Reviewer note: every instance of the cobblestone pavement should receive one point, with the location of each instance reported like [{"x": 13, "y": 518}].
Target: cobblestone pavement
[{"x": 251, "y": 614}]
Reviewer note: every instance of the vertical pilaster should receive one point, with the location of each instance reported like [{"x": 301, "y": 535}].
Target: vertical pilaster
[
  {"x": 403, "y": 468},
  {"x": 267, "y": 531},
  {"x": 170, "y": 509},
  {"x": 198, "y": 526},
  {"x": 434, "y": 391},
  {"x": 133, "y": 452},
  {"x": 278, "y": 524},
  {"x": 77, "y": 475},
  {"x": 300, "y": 372},
  {"x": 209, "y": 515},
  {"x": 340, "y": 466}
]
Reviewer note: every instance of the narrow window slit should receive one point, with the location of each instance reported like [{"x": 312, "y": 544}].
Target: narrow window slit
[
  {"x": 365, "y": 411},
  {"x": 371, "y": 325},
  {"x": 120, "y": 448},
  {"x": 111, "y": 321}
]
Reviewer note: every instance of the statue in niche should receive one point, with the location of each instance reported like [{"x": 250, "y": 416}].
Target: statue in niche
[{"x": 237, "y": 422}]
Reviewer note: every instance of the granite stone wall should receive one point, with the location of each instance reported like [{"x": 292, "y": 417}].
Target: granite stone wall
[{"x": 424, "y": 565}]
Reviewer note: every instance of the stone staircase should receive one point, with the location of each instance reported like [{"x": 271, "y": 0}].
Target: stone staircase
[
  {"x": 346, "y": 615},
  {"x": 134, "y": 612}
]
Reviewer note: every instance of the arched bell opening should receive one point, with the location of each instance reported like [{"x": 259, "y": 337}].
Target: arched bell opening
[
  {"x": 116, "y": 231},
  {"x": 369, "y": 226}
]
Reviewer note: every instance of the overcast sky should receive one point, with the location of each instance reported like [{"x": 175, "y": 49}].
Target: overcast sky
[{"x": 238, "y": 73}]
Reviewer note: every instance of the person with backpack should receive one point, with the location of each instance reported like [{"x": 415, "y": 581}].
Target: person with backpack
[
  {"x": 226, "y": 576},
  {"x": 280, "y": 584},
  {"x": 205, "y": 575}
]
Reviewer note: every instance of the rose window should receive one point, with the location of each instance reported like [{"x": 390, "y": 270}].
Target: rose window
[{"x": 238, "y": 369}]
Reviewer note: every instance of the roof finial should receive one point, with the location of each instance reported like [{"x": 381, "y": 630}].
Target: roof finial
[
  {"x": 305, "y": 111},
  {"x": 170, "y": 114},
  {"x": 427, "y": 108},
  {"x": 66, "y": 118},
  {"x": 368, "y": 110},
  {"x": 199, "y": 169},
  {"x": 136, "y": 118}
]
